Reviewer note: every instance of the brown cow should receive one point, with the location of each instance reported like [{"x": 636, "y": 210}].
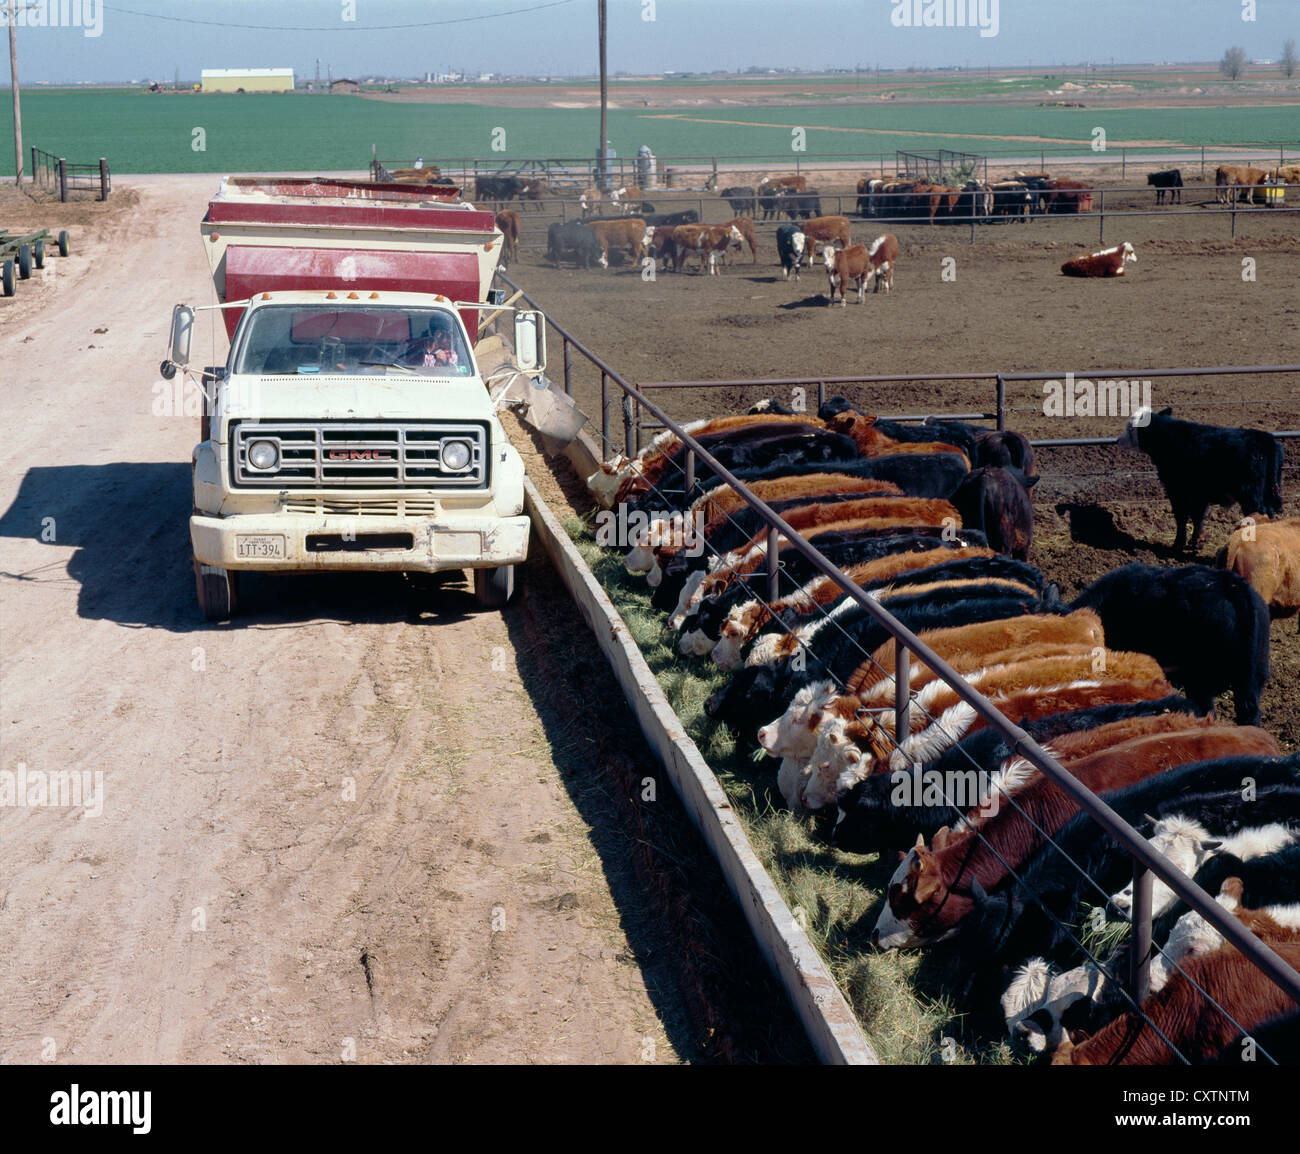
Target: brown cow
[
  {"x": 430, "y": 174},
  {"x": 745, "y": 226},
  {"x": 1267, "y": 554},
  {"x": 626, "y": 199},
  {"x": 508, "y": 223},
  {"x": 631, "y": 232},
  {"x": 825, "y": 230},
  {"x": 770, "y": 184},
  {"x": 707, "y": 240},
  {"x": 1108, "y": 262},
  {"x": 860, "y": 263},
  {"x": 1236, "y": 180},
  {"x": 532, "y": 189}
]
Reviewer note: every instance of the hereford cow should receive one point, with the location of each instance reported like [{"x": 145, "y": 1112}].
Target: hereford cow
[
  {"x": 508, "y": 223},
  {"x": 745, "y": 226},
  {"x": 709, "y": 241},
  {"x": 1203, "y": 465},
  {"x": 779, "y": 184},
  {"x": 1108, "y": 262},
  {"x": 1267, "y": 554},
  {"x": 826, "y": 230},
  {"x": 630, "y": 233},
  {"x": 1169, "y": 181}
]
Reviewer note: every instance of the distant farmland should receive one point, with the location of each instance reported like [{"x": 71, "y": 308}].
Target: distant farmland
[{"x": 147, "y": 133}]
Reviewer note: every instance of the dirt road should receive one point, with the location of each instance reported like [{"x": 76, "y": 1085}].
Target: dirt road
[{"x": 346, "y": 827}]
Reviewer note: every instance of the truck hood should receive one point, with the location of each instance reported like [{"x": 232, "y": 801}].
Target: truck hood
[{"x": 358, "y": 398}]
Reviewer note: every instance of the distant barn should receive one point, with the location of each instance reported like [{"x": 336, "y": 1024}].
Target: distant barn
[
  {"x": 344, "y": 86},
  {"x": 248, "y": 80}
]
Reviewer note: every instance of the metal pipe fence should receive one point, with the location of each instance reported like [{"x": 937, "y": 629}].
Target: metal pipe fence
[
  {"x": 770, "y": 386},
  {"x": 671, "y": 170},
  {"x": 59, "y": 175},
  {"x": 1146, "y": 861}
]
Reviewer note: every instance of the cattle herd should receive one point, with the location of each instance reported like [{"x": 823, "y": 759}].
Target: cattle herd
[{"x": 934, "y": 523}]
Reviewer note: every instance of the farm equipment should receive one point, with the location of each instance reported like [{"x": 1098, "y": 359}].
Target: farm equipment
[
  {"x": 20, "y": 254},
  {"x": 350, "y": 428}
]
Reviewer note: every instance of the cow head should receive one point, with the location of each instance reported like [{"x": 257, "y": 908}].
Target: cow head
[
  {"x": 912, "y": 901},
  {"x": 1140, "y": 419},
  {"x": 1130, "y": 257},
  {"x": 605, "y": 482}
]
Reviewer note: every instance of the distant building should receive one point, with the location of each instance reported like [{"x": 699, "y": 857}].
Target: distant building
[
  {"x": 344, "y": 85},
  {"x": 248, "y": 79}
]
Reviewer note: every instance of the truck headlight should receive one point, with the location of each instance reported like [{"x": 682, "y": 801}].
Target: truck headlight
[
  {"x": 263, "y": 456},
  {"x": 455, "y": 456}
]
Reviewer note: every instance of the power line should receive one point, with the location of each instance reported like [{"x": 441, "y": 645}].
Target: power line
[{"x": 340, "y": 27}]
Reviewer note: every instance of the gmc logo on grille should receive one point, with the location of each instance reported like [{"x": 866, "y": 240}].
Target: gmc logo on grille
[{"x": 361, "y": 455}]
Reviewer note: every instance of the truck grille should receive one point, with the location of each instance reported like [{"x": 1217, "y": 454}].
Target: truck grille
[{"x": 350, "y": 454}]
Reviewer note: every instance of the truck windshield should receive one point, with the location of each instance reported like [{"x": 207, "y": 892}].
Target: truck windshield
[{"x": 293, "y": 339}]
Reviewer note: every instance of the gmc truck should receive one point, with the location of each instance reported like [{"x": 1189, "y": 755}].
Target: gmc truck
[{"x": 350, "y": 427}]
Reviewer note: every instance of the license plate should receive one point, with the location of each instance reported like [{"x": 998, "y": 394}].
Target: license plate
[{"x": 259, "y": 545}]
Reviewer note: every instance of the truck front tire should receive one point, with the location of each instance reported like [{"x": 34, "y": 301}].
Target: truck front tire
[
  {"x": 494, "y": 587},
  {"x": 218, "y": 591}
]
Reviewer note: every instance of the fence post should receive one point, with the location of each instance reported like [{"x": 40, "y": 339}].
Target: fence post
[
  {"x": 604, "y": 412},
  {"x": 1233, "y": 193},
  {"x": 1139, "y": 963},
  {"x": 1123, "y": 162},
  {"x": 63, "y": 179},
  {"x": 1202, "y": 164},
  {"x": 568, "y": 389},
  {"x": 773, "y": 571},
  {"x": 902, "y": 692},
  {"x": 1101, "y": 215},
  {"x": 34, "y": 181},
  {"x": 689, "y": 482},
  {"x": 821, "y": 395},
  {"x": 627, "y": 426},
  {"x": 1002, "y": 404},
  {"x": 103, "y": 178}
]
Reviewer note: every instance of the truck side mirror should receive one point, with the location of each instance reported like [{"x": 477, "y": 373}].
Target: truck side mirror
[
  {"x": 181, "y": 335},
  {"x": 530, "y": 342}
]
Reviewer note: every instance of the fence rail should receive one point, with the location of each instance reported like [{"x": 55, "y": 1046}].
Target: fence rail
[
  {"x": 668, "y": 170},
  {"x": 61, "y": 176},
  {"x": 1146, "y": 861}
]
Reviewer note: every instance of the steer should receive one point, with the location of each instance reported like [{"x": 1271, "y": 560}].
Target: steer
[
  {"x": 1169, "y": 181},
  {"x": 845, "y": 265},
  {"x": 630, "y": 232},
  {"x": 791, "y": 247},
  {"x": 826, "y": 230}
]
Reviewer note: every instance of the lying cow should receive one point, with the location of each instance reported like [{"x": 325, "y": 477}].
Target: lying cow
[
  {"x": 1108, "y": 262},
  {"x": 1169, "y": 181}
]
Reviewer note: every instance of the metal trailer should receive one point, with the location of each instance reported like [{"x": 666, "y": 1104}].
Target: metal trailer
[{"x": 19, "y": 254}]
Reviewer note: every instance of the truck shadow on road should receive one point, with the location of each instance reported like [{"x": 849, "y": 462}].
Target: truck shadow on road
[{"x": 128, "y": 524}]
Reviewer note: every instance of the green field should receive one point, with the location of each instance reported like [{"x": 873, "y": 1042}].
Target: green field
[{"x": 143, "y": 132}]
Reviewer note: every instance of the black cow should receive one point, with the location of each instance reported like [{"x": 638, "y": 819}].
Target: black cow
[
  {"x": 741, "y": 199},
  {"x": 1170, "y": 181},
  {"x": 668, "y": 220},
  {"x": 497, "y": 188},
  {"x": 1004, "y": 449},
  {"x": 575, "y": 240},
  {"x": 770, "y": 203},
  {"x": 792, "y": 248},
  {"x": 1207, "y": 627},
  {"x": 801, "y": 204},
  {"x": 1203, "y": 465},
  {"x": 996, "y": 501}
]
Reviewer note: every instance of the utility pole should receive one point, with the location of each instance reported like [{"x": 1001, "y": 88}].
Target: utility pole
[
  {"x": 18, "y": 109},
  {"x": 604, "y": 97}
]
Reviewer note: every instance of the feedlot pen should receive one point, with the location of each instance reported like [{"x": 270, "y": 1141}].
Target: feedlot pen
[{"x": 1095, "y": 509}]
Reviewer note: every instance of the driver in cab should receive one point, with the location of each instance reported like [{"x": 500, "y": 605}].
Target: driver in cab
[{"x": 434, "y": 350}]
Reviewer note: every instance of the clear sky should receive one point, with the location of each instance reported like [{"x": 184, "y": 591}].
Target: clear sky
[{"x": 153, "y": 38}]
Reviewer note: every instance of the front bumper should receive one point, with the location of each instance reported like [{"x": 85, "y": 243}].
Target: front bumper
[{"x": 280, "y": 542}]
